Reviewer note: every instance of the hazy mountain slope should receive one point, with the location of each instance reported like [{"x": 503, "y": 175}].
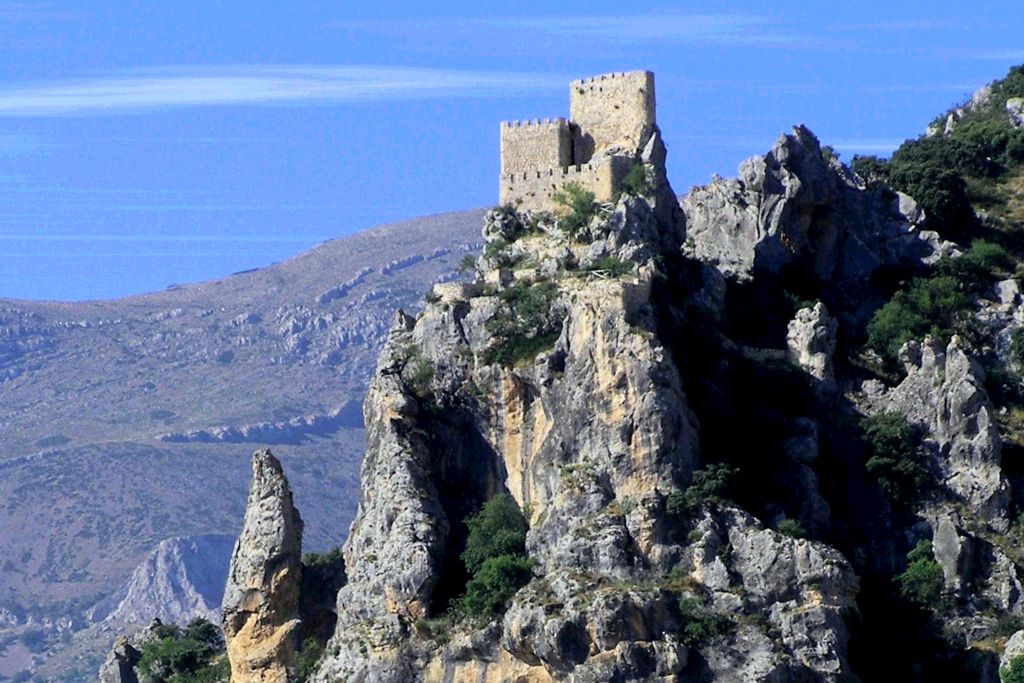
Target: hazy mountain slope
[{"x": 126, "y": 422}]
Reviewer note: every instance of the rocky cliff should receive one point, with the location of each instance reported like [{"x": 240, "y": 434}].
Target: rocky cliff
[{"x": 758, "y": 435}]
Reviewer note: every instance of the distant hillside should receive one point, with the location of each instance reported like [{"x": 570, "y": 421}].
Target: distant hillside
[{"x": 130, "y": 421}]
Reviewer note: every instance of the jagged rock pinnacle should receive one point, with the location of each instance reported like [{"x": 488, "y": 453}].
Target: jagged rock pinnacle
[{"x": 261, "y": 599}]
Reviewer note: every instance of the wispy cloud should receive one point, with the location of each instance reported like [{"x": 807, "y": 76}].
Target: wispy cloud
[
  {"x": 191, "y": 87},
  {"x": 866, "y": 145},
  {"x": 900, "y": 25},
  {"x": 31, "y": 11},
  {"x": 672, "y": 28}
]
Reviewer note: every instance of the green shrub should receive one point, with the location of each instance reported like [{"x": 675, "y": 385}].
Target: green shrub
[
  {"x": 792, "y": 528},
  {"x": 1017, "y": 346},
  {"x": 700, "y": 625},
  {"x": 935, "y": 306},
  {"x": 494, "y": 557},
  {"x": 709, "y": 485},
  {"x": 612, "y": 266},
  {"x": 979, "y": 266},
  {"x": 307, "y": 658},
  {"x": 467, "y": 264},
  {"x": 422, "y": 374},
  {"x": 640, "y": 181},
  {"x": 922, "y": 582},
  {"x": 1014, "y": 673},
  {"x": 676, "y": 505},
  {"x": 33, "y": 639},
  {"x": 498, "y": 529},
  {"x": 898, "y": 460},
  {"x": 192, "y": 655},
  {"x": 202, "y": 631},
  {"x": 872, "y": 169},
  {"x": 524, "y": 323},
  {"x": 578, "y": 207},
  {"x": 494, "y": 584}
]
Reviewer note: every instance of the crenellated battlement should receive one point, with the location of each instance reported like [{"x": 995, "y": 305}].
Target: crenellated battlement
[
  {"x": 590, "y": 80},
  {"x": 536, "y": 123},
  {"x": 611, "y": 118},
  {"x": 537, "y": 174}
]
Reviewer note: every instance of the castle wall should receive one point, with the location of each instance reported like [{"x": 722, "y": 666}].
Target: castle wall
[
  {"x": 529, "y": 145},
  {"x": 533, "y": 189},
  {"x": 614, "y": 111}
]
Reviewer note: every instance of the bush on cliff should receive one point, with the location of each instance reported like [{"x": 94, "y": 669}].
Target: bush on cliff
[
  {"x": 495, "y": 557},
  {"x": 192, "y": 655},
  {"x": 922, "y": 582},
  {"x": 708, "y": 487},
  {"x": 640, "y": 181},
  {"x": 936, "y": 306},
  {"x": 1014, "y": 673},
  {"x": 578, "y": 208},
  {"x": 524, "y": 324},
  {"x": 898, "y": 460}
]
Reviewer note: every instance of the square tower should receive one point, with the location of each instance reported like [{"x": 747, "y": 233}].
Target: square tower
[{"x": 612, "y": 112}]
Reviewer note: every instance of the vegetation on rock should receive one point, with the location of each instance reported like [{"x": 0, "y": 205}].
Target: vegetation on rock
[
  {"x": 1014, "y": 672},
  {"x": 495, "y": 557},
  {"x": 578, "y": 208},
  {"x": 709, "y": 486},
  {"x": 191, "y": 655},
  {"x": 922, "y": 581},
  {"x": 898, "y": 461},
  {"x": 640, "y": 181},
  {"x": 525, "y": 323}
]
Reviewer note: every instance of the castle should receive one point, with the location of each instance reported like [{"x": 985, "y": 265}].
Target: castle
[{"x": 611, "y": 118}]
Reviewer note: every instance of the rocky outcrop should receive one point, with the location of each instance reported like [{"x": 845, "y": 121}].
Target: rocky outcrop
[
  {"x": 261, "y": 599},
  {"x": 1015, "y": 109},
  {"x": 811, "y": 338},
  {"x": 120, "y": 665},
  {"x": 1014, "y": 648},
  {"x": 804, "y": 589},
  {"x": 182, "y": 578},
  {"x": 793, "y": 207},
  {"x": 944, "y": 394}
]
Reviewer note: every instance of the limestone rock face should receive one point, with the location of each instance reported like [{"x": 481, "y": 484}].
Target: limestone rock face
[
  {"x": 261, "y": 599},
  {"x": 803, "y": 587},
  {"x": 588, "y": 438},
  {"x": 589, "y": 435},
  {"x": 944, "y": 393},
  {"x": 811, "y": 338},
  {"x": 1015, "y": 108},
  {"x": 793, "y": 206},
  {"x": 1014, "y": 648}
]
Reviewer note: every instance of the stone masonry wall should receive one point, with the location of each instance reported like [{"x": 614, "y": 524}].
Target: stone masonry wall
[
  {"x": 532, "y": 190},
  {"x": 612, "y": 111},
  {"x": 529, "y": 145}
]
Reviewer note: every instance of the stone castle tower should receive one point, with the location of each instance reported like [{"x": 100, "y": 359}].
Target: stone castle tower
[{"x": 611, "y": 118}]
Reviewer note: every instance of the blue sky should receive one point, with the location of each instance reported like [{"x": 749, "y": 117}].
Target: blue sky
[{"x": 144, "y": 144}]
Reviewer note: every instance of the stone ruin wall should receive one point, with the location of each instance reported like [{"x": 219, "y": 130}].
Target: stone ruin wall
[
  {"x": 529, "y": 145},
  {"x": 611, "y": 117},
  {"x": 533, "y": 190}
]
